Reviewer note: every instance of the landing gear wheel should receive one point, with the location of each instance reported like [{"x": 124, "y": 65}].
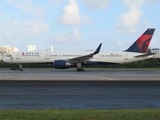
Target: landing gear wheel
[{"x": 80, "y": 69}]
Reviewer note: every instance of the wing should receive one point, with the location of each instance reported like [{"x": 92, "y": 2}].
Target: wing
[{"x": 85, "y": 57}]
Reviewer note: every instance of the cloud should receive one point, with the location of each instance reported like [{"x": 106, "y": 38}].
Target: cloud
[
  {"x": 54, "y": 1},
  {"x": 71, "y": 15},
  {"x": 86, "y": 18},
  {"x": 137, "y": 3},
  {"x": 28, "y": 7},
  {"x": 128, "y": 21},
  {"x": 97, "y": 4},
  {"x": 36, "y": 28},
  {"x": 75, "y": 36},
  {"x": 1, "y": 14},
  {"x": 10, "y": 31},
  {"x": 133, "y": 3}
]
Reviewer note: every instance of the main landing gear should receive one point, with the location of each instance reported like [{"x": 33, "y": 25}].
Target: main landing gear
[
  {"x": 79, "y": 67},
  {"x": 80, "y": 70}
]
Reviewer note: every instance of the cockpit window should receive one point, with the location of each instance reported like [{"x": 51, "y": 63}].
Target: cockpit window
[{"x": 9, "y": 55}]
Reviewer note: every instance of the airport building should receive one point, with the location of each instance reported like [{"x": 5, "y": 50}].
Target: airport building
[
  {"x": 31, "y": 48},
  {"x": 156, "y": 51},
  {"x": 7, "y": 50},
  {"x": 50, "y": 49}
]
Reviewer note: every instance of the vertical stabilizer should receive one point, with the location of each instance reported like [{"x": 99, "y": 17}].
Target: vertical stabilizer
[{"x": 142, "y": 43}]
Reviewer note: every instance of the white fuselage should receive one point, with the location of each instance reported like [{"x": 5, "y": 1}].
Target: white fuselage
[{"x": 51, "y": 56}]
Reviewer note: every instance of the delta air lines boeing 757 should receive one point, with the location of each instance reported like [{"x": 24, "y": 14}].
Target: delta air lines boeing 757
[{"x": 62, "y": 60}]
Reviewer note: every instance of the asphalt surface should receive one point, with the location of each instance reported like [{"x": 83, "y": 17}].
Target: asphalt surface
[
  {"x": 88, "y": 75},
  {"x": 67, "y": 89},
  {"x": 79, "y": 94}
]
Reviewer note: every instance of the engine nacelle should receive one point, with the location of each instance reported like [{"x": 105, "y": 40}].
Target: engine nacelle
[{"x": 61, "y": 64}]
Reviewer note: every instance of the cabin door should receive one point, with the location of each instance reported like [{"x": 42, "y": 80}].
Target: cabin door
[
  {"x": 126, "y": 56},
  {"x": 17, "y": 57},
  {"x": 47, "y": 56}
]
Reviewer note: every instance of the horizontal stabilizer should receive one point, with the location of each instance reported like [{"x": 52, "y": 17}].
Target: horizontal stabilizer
[{"x": 144, "y": 55}]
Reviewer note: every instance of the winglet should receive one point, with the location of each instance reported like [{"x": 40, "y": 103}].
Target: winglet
[{"x": 98, "y": 49}]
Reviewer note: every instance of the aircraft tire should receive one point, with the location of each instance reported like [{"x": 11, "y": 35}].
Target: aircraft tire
[{"x": 80, "y": 70}]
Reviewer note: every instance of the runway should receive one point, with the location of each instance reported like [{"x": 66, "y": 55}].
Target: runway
[
  {"x": 88, "y": 75},
  {"x": 79, "y": 94},
  {"x": 102, "y": 89}
]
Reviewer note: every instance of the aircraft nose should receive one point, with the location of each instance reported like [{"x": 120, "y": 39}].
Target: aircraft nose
[{"x": 3, "y": 60}]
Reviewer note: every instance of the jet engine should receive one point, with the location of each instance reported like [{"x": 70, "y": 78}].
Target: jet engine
[{"x": 61, "y": 64}]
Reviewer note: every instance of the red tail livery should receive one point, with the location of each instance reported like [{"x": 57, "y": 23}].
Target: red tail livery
[{"x": 142, "y": 43}]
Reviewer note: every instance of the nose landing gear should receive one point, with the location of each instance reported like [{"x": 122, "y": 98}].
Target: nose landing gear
[{"x": 20, "y": 67}]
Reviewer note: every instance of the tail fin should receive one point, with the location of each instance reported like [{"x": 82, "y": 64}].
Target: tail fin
[{"x": 142, "y": 43}]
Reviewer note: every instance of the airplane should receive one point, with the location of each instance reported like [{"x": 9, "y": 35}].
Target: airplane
[{"x": 63, "y": 60}]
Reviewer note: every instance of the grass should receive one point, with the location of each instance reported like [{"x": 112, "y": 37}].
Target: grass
[{"x": 92, "y": 114}]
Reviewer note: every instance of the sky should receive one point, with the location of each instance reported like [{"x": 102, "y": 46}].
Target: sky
[{"x": 77, "y": 25}]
